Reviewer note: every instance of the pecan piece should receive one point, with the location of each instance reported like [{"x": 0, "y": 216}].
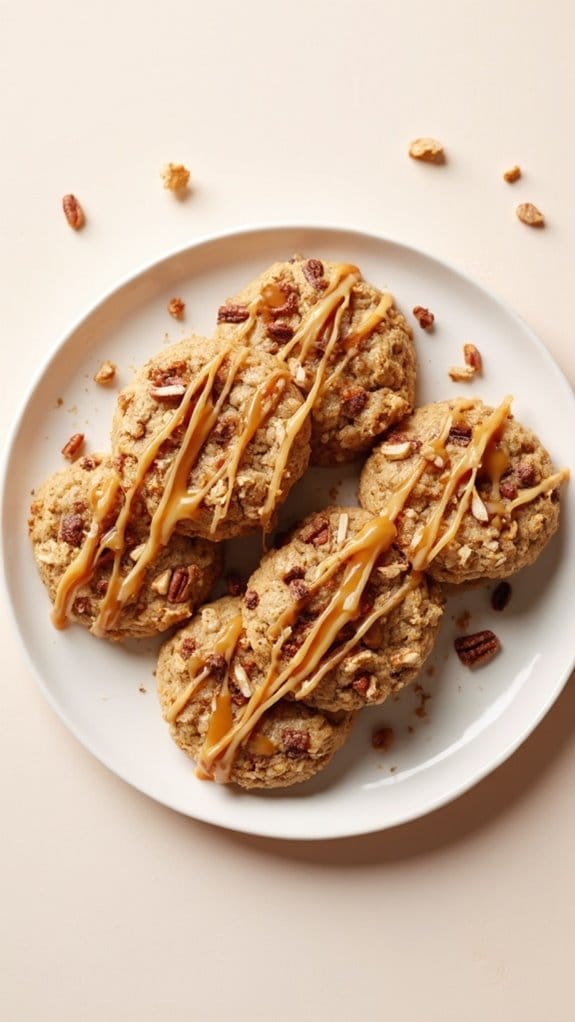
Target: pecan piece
[
  {"x": 508, "y": 489},
  {"x": 354, "y": 401},
  {"x": 176, "y": 307},
  {"x": 72, "y": 529},
  {"x": 298, "y": 589},
  {"x": 180, "y": 586},
  {"x": 530, "y": 215},
  {"x": 187, "y": 648},
  {"x": 501, "y": 596},
  {"x": 427, "y": 149},
  {"x": 175, "y": 176},
  {"x": 424, "y": 317},
  {"x": 73, "y": 446},
  {"x": 295, "y": 743},
  {"x": 216, "y": 664},
  {"x": 280, "y": 332},
  {"x": 478, "y": 648},
  {"x": 513, "y": 174},
  {"x": 251, "y": 599},
  {"x": 313, "y": 272},
  {"x": 459, "y": 434},
  {"x": 361, "y": 684},
  {"x": 526, "y": 475},
  {"x": 233, "y": 313},
  {"x": 73, "y": 212},
  {"x": 317, "y": 532},
  {"x": 472, "y": 357},
  {"x": 294, "y": 573},
  {"x": 88, "y": 463}
]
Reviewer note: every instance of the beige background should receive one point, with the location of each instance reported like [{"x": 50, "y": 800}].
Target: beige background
[{"x": 111, "y": 906}]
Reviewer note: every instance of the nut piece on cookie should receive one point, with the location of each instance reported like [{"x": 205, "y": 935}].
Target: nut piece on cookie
[
  {"x": 288, "y": 744},
  {"x": 427, "y": 149},
  {"x": 487, "y": 500}
]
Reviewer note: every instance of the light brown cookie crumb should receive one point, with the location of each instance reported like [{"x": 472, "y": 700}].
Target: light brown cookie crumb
[
  {"x": 105, "y": 373},
  {"x": 72, "y": 448},
  {"x": 427, "y": 149},
  {"x": 175, "y": 176},
  {"x": 530, "y": 215},
  {"x": 513, "y": 174},
  {"x": 176, "y": 307},
  {"x": 461, "y": 374}
]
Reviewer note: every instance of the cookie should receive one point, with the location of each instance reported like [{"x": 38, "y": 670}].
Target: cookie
[
  {"x": 484, "y": 497},
  {"x": 66, "y": 530},
  {"x": 348, "y": 349},
  {"x": 210, "y": 434},
  {"x": 341, "y": 598},
  {"x": 206, "y": 676}
]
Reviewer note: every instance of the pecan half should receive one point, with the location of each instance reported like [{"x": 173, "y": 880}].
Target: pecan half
[
  {"x": 251, "y": 599},
  {"x": 180, "y": 586},
  {"x": 72, "y": 529},
  {"x": 73, "y": 212},
  {"x": 73, "y": 446},
  {"x": 478, "y": 648},
  {"x": 233, "y": 313},
  {"x": 317, "y": 532},
  {"x": 501, "y": 596},
  {"x": 424, "y": 317},
  {"x": 295, "y": 743},
  {"x": 459, "y": 434},
  {"x": 280, "y": 332},
  {"x": 313, "y": 272}
]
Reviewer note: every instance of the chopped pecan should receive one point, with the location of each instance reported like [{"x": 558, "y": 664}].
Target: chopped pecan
[
  {"x": 526, "y": 474},
  {"x": 501, "y": 596},
  {"x": 73, "y": 446},
  {"x": 72, "y": 529},
  {"x": 513, "y": 174},
  {"x": 73, "y": 212},
  {"x": 295, "y": 742},
  {"x": 383, "y": 738},
  {"x": 101, "y": 586},
  {"x": 175, "y": 176},
  {"x": 424, "y": 317},
  {"x": 313, "y": 273},
  {"x": 251, "y": 599},
  {"x": 235, "y": 584},
  {"x": 291, "y": 305},
  {"x": 81, "y": 605},
  {"x": 317, "y": 532},
  {"x": 472, "y": 357},
  {"x": 478, "y": 648},
  {"x": 280, "y": 332},
  {"x": 508, "y": 488},
  {"x": 459, "y": 434},
  {"x": 176, "y": 308},
  {"x": 187, "y": 648},
  {"x": 291, "y": 646},
  {"x": 461, "y": 374},
  {"x": 354, "y": 400},
  {"x": 361, "y": 684},
  {"x": 89, "y": 463},
  {"x": 233, "y": 313},
  {"x": 168, "y": 376},
  {"x": 224, "y": 429},
  {"x": 296, "y": 572},
  {"x": 298, "y": 589},
  {"x": 180, "y": 586},
  {"x": 216, "y": 664}
]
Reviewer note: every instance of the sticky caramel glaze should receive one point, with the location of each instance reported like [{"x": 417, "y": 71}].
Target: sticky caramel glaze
[{"x": 224, "y": 645}]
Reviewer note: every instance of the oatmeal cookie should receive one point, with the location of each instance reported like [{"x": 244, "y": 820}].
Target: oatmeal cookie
[
  {"x": 290, "y": 742},
  {"x": 211, "y": 420},
  {"x": 336, "y": 333},
  {"x": 288, "y": 588},
  {"x": 508, "y": 511},
  {"x": 61, "y": 518}
]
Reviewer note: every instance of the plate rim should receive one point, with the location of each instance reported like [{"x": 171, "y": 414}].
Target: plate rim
[{"x": 147, "y": 266}]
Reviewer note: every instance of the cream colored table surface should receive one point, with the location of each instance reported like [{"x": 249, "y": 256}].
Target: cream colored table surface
[{"x": 112, "y": 907}]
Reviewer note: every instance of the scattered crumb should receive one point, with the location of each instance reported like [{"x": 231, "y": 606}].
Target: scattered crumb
[
  {"x": 423, "y": 696},
  {"x": 73, "y": 212},
  {"x": 513, "y": 174},
  {"x": 463, "y": 620},
  {"x": 333, "y": 492},
  {"x": 176, "y": 308},
  {"x": 427, "y": 149},
  {"x": 142, "y": 688},
  {"x": 430, "y": 671},
  {"x": 106, "y": 373},
  {"x": 501, "y": 596},
  {"x": 74, "y": 445},
  {"x": 530, "y": 215},
  {"x": 175, "y": 176},
  {"x": 424, "y": 317},
  {"x": 383, "y": 738},
  {"x": 59, "y": 402},
  {"x": 410, "y": 729},
  {"x": 392, "y": 769},
  {"x": 472, "y": 357},
  {"x": 461, "y": 374}
]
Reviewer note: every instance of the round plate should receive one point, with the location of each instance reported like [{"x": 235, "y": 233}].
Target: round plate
[{"x": 450, "y": 730}]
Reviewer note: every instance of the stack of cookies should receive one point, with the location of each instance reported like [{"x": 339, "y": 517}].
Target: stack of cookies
[{"x": 309, "y": 364}]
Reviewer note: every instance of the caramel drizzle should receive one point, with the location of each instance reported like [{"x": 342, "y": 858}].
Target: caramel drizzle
[
  {"x": 353, "y": 340},
  {"x": 224, "y": 645}
]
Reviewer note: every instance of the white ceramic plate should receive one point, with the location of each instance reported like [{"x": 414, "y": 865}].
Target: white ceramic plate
[{"x": 473, "y": 721}]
